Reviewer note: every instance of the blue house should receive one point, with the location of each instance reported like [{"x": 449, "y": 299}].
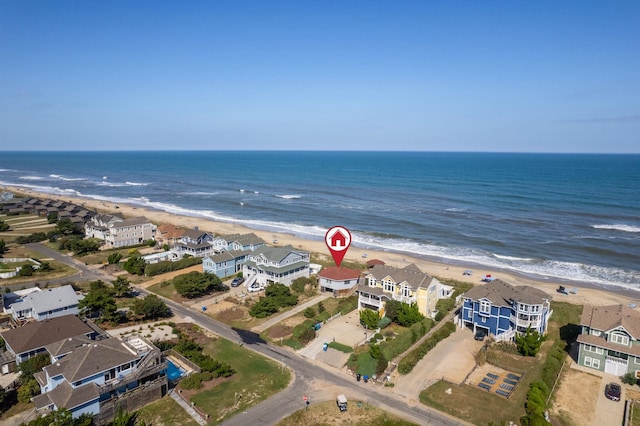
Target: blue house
[
  {"x": 95, "y": 376},
  {"x": 224, "y": 264},
  {"x": 503, "y": 310}
]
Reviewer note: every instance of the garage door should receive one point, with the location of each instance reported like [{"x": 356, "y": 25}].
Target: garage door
[{"x": 615, "y": 366}]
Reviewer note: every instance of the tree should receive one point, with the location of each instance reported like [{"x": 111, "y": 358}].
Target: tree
[
  {"x": 391, "y": 309},
  {"x": 3, "y": 247},
  {"x": 309, "y": 312},
  {"x": 369, "y": 318},
  {"x": 121, "y": 286},
  {"x": 114, "y": 258},
  {"x": 34, "y": 364},
  {"x": 99, "y": 300},
  {"x": 321, "y": 307},
  {"x": 4, "y": 227},
  {"x": 195, "y": 284},
  {"x": 52, "y": 217},
  {"x": 65, "y": 226},
  {"x": 135, "y": 265},
  {"x": 151, "y": 307},
  {"x": 26, "y": 271},
  {"x": 281, "y": 294},
  {"x": 28, "y": 389},
  {"x": 409, "y": 315},
  {"x": 529, "y": 343}
]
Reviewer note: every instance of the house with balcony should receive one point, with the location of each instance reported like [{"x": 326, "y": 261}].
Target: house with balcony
[
  {"x": 117, "y": 232},
  {"x": 225, "y": 264},
  {"x": 243, "y": 242},
  {"x": 338, "y": 280},
  {"x": 46, "y": 304},
  {"x": 408, "y": 285},
  {"x": 502, "y": 310},
  {"x": 283, "y": 265},
  {"x": 96, "y": 377},
  {"x": 196, "y": 243},
  {"x": 609, "y": 339}
]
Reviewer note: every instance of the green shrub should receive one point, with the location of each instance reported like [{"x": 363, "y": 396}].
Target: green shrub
[
  {"x": 309, "y": 312},
  {"x": 384, "y": 322},
  {"x": 340, "y": 347},
  {"x": 193, "y": 381},
  {"x": 322, "y": 316}
]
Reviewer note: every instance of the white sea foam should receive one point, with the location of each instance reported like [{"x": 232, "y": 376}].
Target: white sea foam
[
  {"x": 618, "y": 227},
  {"x": 66, "y": 179},
  {"x": 289, "y": 196},
  {"x": 136, "y": 184},
  {"x": 202, "y": 193},
  {"x": 455, "y": 210},
  {"x": 513, "y": 258},
  {"x": 31, "y": 178}
]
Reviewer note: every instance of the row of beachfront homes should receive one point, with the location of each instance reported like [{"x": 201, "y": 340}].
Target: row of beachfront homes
[{"x": 90, "y": 372}]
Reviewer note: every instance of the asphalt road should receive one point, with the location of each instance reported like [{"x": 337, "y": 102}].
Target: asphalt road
[{"x": 306, "y": 373}]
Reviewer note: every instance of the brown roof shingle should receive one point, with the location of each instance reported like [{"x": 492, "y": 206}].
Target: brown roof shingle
[
  {"x": 37, "y": 335},
  {"x": 606, "y": 318}
]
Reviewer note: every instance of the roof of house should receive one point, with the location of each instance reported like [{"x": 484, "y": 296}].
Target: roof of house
[
  {"x": 48, "y": 300},
  {"x": 92, "y": 358},
  {"x": 66, "y": 396},
  {"x": 606, "y": 318},
  {"x": 35, "y": 335},
  {"x": 133, "y": 221},
  {"x": 410, "y": 274},
  {"x": 276, "y": 254},
  {"x": 373, "y": 262},
  {"x": 170, "y": 231},
  {"x": 228, "y": 255},
  {"x": 337, "y": 273},
  {"x": 195, "y": 234},
  {"x": 501, "y": 293},
  {"x": 65, "y": 346},
  {"x": 244, "y": 239}
]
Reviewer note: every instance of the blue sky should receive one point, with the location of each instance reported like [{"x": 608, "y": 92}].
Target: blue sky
[{"x": 356, "y": 75}]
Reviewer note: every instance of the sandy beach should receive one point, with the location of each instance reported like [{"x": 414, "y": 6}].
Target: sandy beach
[{"x": 586, "y": 294}]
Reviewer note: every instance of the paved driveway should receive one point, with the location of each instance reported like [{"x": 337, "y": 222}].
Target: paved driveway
[{"x": 609, "y": 412}]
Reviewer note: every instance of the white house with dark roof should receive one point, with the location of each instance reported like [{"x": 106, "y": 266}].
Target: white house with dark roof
[
  {"x": 194, "y": 242},
  {"x": 408, "y": 285},
  {"x": 609, "y": 339},
  {"x": 503, "y": 310},
  {"x": 243, "y": 242},
  {"x": 46, "y": 304},
  {"x": 283, "y": 265},
  {"x": 85, "y": 376},
  {"x": 340, "y": 281}
]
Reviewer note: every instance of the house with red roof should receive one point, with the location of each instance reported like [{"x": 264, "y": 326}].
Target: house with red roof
[{"x": 338, "y": 280}]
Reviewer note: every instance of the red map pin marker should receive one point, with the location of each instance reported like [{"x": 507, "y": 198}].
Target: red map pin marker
[{"x": 338, "y": 240}]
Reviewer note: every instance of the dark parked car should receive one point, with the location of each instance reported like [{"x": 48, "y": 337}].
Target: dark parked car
[
  {"x": 480, "y": 333},
  {"x": 237, "y": 281},
  {"x": 613, "y": 391}
]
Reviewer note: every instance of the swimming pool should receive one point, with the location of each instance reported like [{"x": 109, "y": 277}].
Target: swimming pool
[{"x": 173, "y": 371}]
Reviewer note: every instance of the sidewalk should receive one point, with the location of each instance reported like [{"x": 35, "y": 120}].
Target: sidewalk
[
  {"x": 299, "y": 308},
  {"x": 188, "y": 408}
]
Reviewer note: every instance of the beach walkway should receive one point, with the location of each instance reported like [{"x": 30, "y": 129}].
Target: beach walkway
[{"x": 299, "y": 308}]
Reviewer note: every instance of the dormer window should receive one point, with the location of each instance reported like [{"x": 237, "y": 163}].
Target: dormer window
[
  {"x": 485, "y": 307},
  {"x": 621, "y": 339}
]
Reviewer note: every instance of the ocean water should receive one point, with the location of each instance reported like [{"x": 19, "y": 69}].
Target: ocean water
[{"x": 567, "y": 216}]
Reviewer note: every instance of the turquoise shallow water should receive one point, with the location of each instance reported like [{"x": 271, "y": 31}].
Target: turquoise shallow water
[{"x": 569, "y": 216}]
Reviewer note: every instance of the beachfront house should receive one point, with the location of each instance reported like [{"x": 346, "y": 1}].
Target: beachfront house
[
  {"x": 195, "y": 243},
  {"x": 340, "y": 281},
  {"x": 408, "y": 285},
  {"x": 243, "y": 242},
  {"x": 283, "y": 265},
  {"x": 501, "y": 310},
  {"x": 118, "y": 232},
  {"x": 46, "y": 304},
  {"x": 609, "y": 339},
  {"x": 168, "y": 234},
  {"x": 98, "y": 376},
  {"x": 32, "y": 338}
]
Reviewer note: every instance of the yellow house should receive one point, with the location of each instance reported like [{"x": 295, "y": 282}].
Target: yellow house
[{"x": 409, "y": 285}]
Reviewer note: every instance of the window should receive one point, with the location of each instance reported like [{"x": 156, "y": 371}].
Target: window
[
  {"x": 485, "y": 307},
  {"x": 535, "y": 308},
  {"x": 595, "y": 349},
  {"x": 406, "y": 291},
  {"x": 619, "y": 338}
]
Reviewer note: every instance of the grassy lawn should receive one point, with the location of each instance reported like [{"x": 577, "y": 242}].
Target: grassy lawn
[
  {"x": 256, "y": 379},
  {"x": 165, "y": 412},
  {"x": 358, "y": 413},
  {"x": 469, "y": 402},
  {"x": 364, "y": 364},
  {"x": 165, "y": 289}
]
